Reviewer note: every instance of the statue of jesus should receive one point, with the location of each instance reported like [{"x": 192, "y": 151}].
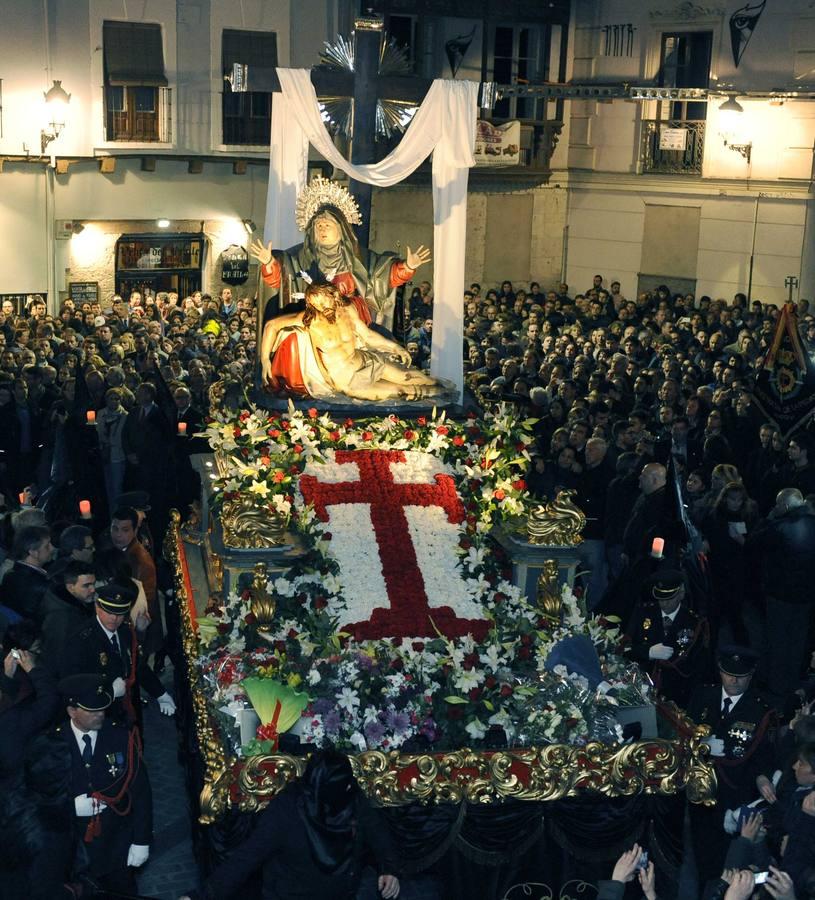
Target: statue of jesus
[{"x": 327, "y": 350}]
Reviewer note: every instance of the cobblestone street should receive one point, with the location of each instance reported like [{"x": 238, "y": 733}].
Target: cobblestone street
[{"x": 171, "y": 869}]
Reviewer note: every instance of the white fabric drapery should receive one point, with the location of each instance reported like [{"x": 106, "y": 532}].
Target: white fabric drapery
[{"x": 444, "y": 125}]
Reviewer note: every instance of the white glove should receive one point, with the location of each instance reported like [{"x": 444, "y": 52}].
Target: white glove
[
  {"x": 166, "y": 704},
  {"x": 731, "y": 821},
  {"x": 137, "y": 854},
  {"x": 119, "y": 687},
  {"x": 86, "y": 806},
  {"x": 716, "y": 745},
  {"x": 660, "y": 651}
]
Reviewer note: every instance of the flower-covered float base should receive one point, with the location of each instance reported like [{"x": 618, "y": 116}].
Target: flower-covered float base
[{"x": 398, "y": 634}]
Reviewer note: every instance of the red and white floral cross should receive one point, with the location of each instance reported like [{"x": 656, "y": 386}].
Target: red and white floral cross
[{"x": 407, "y": 611}]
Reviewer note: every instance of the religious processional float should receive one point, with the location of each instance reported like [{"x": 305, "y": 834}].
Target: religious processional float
[{"x": 387, "y": 621}]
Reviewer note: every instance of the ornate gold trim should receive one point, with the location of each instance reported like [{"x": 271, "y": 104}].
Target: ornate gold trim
[
  {"x": 214, "y": 798},
  {"x": 541, "y": 774},
  {"x": 557, "y": 523},
  {"x": 246, "y": 526}
]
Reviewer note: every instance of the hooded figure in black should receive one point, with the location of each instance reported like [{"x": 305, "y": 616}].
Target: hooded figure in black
[{"x": 312, "y": 840}]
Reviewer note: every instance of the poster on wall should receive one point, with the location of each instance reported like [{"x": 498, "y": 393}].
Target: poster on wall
[
  {"x": 234, "y": 265},
  {"x": 497, "y": 145},
  {"x": 673, "y": 138}
]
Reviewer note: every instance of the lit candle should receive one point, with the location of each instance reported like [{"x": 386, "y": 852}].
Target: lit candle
[
  {"x": 85, "y": 509},
  {"x": 182, "y": 429},
  {"x": 90, "y": 415},
  {"x": 657, "y": 547},
  {"x": 23, "y": 498}
]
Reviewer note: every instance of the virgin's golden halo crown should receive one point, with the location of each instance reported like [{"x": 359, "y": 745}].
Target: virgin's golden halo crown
[{"x": 324, "y": 192}]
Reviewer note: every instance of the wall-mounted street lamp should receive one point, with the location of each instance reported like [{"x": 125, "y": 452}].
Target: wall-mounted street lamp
[
  {"x": 56, "y": 104},
  {"x": 730, "y": 112}
]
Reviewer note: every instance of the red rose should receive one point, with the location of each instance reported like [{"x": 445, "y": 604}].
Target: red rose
[
  {"x": 471, "y": 415},
  {"x": 526, "y": 639},
  {"x": 396, "y": 642},
  {"x": 292, "y": 633},
  {"x": 367, "y": 435},
  {"x": 479, "y": 442},
  {"x": 349, "y": 423},
  {"x": 474, "y": 694},
  {"x": 279, "y": 476},
  {"x": 236, "y": 432},
  {"x": 506, "y": 690},
  {"x": 224, "y": 628},
  {"x": 524, "y": 653},
  {"x": 465, "y": 543},
  {"x": 298, "y": 448},
  {"x": 454, "y": 711},
  {"x": 280, "y": 646},
  {"x": 520, "y": 447},
  {"x": 458, "y": 441},
  {"x": 285, "y": 425},
  {"x": 273, "y": 433},
  {"x": 293, "y": 470},
  {"x": 418, "y": 646},
  {"x": 499, "y": 494},
  {"x": 246, "y": 594},
  {"x": 490, "y": 681},
  {"x": 442, "y": 429},
  {"x": 519, "y": 485},
  {"x": 422, "y": 420},
  {"x": 243, "y": 416},
  {"x": 409, "y": 435},
  {"x": 334, "y": 435},
  {"x": 312, "y": 413},
  {"x": 470, "y": 660},
  {"x": 320, "y": 603},
  {"x": 327, "y": 536},
  {"x": 250, "y": 618},
  {"x": 499, "y": 597},
  {"x": 396, "y": 664}
]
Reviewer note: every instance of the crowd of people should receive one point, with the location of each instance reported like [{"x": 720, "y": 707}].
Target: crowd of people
[{"x": 700, "y": 537}]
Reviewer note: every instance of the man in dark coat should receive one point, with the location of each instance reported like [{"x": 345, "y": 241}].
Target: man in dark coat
[
  {"x": 66, "y": 607},
  {"x": 109, "y": 784},
  {"x": 740, "y": 743},
  {"x": 28, "y": 702},
  {"x": 24, "y": 585},
  {"x": 786, "y": 544},
  {"x": 669, "y": 640},
  {"x": 108, "y": 647},
  {"x": 310, "y": 841}
]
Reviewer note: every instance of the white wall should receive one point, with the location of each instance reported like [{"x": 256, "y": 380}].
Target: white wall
[
  {"x": 22, "y": 224},
  {"x": 606, "y": 221}
]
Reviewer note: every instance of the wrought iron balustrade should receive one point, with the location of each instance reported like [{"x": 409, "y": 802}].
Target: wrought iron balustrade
[{"x": 657, "y": 159}]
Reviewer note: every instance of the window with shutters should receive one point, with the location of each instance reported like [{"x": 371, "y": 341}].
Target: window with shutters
[
  {"x": 247, "y": 115},
  {"x": 136, "y": 96}
]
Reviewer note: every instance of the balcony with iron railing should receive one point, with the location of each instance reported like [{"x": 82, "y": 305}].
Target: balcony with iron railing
[{"x": 672, "y": 147}]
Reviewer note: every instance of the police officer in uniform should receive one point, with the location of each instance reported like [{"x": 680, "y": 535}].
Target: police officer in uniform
[
  {"x": 107, "y": 647},
  {"x": 742, "y": 725},
  {"x": 110, "y": 789},
  {"x": 668, "y": 640}
]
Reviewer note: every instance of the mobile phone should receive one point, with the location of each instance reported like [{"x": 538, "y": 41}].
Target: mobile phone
[
  {"x": 760, "y": 877},
  {"x": 15, "y": 654},
  {"x": 643, "y": 861}
]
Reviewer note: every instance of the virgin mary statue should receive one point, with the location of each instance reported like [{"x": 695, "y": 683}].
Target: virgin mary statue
[{"x": 331, "y": 253}]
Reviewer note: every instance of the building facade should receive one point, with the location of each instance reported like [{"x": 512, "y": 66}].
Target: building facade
[{"x": 632, "y": 170}]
